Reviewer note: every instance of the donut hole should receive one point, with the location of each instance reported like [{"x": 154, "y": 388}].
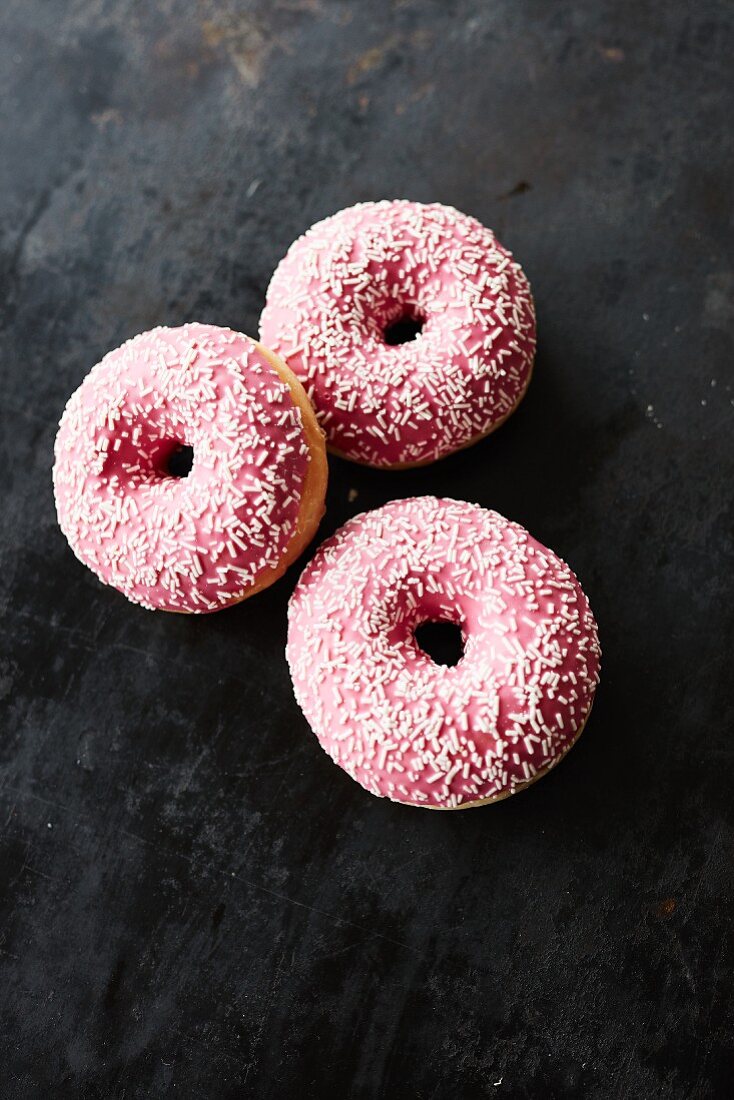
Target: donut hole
[
  {"x": 442, "y": 641},
  {"x": 179, "y": 461},
  {"x": 404, "y": 328}
]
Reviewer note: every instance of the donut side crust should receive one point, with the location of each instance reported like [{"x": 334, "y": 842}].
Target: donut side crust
[
  {"x": 313, "y": 503},
  {"x": 313, "y": 495}
]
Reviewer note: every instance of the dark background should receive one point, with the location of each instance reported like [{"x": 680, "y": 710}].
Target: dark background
[{"x": 195, "y": 901}]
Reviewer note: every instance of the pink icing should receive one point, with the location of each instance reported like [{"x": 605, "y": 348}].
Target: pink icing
[
  {"x": 181, "y": 544},
  {"x": 351, "y": 276},
  {"x": 415, "y": 731}
]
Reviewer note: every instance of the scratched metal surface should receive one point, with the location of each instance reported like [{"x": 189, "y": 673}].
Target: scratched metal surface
[{"x": 194, "y": 900}]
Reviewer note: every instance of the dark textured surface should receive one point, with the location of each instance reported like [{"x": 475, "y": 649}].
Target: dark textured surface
[{"x": 195, "y": 901}]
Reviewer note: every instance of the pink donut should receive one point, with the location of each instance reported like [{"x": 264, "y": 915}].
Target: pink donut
[
  {"x": 405, "y": 727},
  {"x": 252, "y": 499},
  {"x": 337, "y": 297}
]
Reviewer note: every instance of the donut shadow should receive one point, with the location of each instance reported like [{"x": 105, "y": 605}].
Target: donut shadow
[{"x": 528, "y": 469}]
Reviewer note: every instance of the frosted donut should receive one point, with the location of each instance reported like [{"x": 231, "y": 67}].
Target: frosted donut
[
  {"x": 339, "y": 297},
  {"x": 255, "y": 492},
  {"x": 415, "y": 731}
]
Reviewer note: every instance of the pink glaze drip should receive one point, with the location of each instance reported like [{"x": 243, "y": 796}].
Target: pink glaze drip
[
  {"x": 354, "y": 274},
  {"x": 181, "y": 544},
  {"x": 407, "y": 728}
]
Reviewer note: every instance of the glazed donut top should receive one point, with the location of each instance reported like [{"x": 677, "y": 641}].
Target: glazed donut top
[
  {"x": 182, "y": 544},
  {"x": 422, "y": 733},
  {"x": 350, "y": 277}
]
